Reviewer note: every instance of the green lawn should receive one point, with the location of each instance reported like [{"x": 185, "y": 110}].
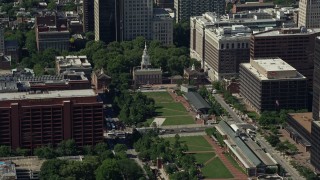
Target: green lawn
[
  {"x": 201, "y": 158},
  {"x": 174, "y": 112},
  {"x": 160, "y": 97},
  {"x": 234, "y": 162},
  {"x": 216, "y": 169},
  {"x": 194, "y": 143}
]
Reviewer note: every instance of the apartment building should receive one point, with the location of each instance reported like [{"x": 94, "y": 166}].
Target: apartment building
[{"x": 269, "y": 84}]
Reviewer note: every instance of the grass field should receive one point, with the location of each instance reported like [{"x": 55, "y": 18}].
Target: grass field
[
  {"x": 203, "y": 157},
  {"x": 166, "y": 107},
  {"x": 194, "y": 143},
  {"x": 216, "y": 169}
]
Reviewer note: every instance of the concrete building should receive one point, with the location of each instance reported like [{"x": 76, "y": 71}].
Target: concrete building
[
  {"x": 315, "y": 145},
  {"x": 293, "y": 45},
  {"x": 2, "y": 46},
  {"x": 52, "y": 33},
  {"x": 316, "y": 82},
  {"x": 309, "y": 15},
  {"x": 272, "y": 84},
  {"x": 184, "y": 9},
  {"x": 106, "y": 20},
  {"x": 145, "y": 74},
  {"x": 162, "y": 26},
  {"x": 225, "y": 49},
  {"x": 88, "y": 15},
  {"x": 30, "y": 120},
  {"x": 73, "y": 63},
  {"x": 136, "y": 19},
  {"x": 7, "y": 170},
  {"x": 250, "y": 6}
]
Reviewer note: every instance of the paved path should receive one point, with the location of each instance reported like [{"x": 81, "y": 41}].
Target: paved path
[{"x": 237, "y": 174}]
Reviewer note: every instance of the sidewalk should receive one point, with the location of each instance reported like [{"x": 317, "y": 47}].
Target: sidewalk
[{"x": 237, "y": 174}]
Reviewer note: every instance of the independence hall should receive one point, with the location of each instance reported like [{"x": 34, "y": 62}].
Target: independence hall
[{"x": 35, "y": 118}]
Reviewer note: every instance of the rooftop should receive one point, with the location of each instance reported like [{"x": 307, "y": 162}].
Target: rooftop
[
  {"x": 287, "y": 32},
  {"x": 73, "y": 61},
  {"x": 304, "y": 119},
  {"x": 47, "y": 95},
  {"x": 197, "y": 101},
  {"x": 272, "y": 69},
  {"x": 254, "y": 4}
]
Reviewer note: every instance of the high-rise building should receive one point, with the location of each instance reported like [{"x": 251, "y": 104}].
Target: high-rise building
[
  {"x": 184, "y": 9},
  {"x": 293, "y": 45},
  {"x": 225, "y": 48},
  {"x": 162, "y": 26},
  {"x": 88, "y": 15},
  {"x": 2, "y": 48},
  {"x": 34, "y": 119},
  {"x": 316, "y": 82},
  {"x": 269, "y": 84},
  {"x": 309, "y": 15},
  {"x": 106, "y": 20},
  {"x": 136, "y": 19},
  {"x": 164, "y": 3}
]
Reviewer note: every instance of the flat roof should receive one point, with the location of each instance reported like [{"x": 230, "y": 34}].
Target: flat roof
[
  {"x": 304, "y": 119},
  {"x": 47, "y": 95},
  {"x": 274, "y": 64},
  {"x": 277, "y": 32},
  {"x": 254, "y": 4}
]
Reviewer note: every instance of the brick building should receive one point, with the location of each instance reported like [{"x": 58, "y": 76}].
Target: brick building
[{"x": 34, "y": 119}]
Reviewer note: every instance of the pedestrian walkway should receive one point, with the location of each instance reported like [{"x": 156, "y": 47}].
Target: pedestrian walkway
[{"x": 237, "y": 174}]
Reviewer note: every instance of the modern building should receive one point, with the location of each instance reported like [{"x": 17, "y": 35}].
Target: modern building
[
  {"x": 309, "y": 15},
  {"x": 88, "y": 15},
  {"x": 256, "y": 21},
  {"x": 225, "y": 49},
  {"x": 2, "y": 46},
  {"x": 164, "y": 3},
  {"x": 315, "y": 145},
  {"x": 145, "y": 74},
  {"x": 106, "y": 20},
  {"x": 73, "y": 63},
  {"x": 316, "y": 81},
  {"x": 162, "y": 26},
  {"x": 250, "y": 6},
  {"x": 136, "y": 19},
  {"x": 52, "y": 33},
  {"x": 293, "y": 45},
  {"x": 272, "y": 84},
  {"x": 184, "y": 9},
  {"x": 33, "y": 119}
]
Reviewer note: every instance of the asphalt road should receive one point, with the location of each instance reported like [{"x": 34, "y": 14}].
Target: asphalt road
[{"x": 284, "y": 163}]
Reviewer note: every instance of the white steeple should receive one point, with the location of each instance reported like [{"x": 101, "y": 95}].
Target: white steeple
[
  {"x": 145, "y": 62},
  {"x": 193, "y": 67}
]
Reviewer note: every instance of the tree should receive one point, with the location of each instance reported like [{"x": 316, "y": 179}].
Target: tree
[
  {"x": 38, "y": 69},
  {"x": 5, "y": 151},
  {"x": 130, "y": 169},
  {"x": 181, "y": 34},
  {"x": 51, "y": 168},
  {"x": 120, "y": 148},
  {"x": 67, "y": 148},
  {"x": 31, "y": 44},
  {"x": 109, "y": 169},
  {"x": 46, "y": 152},
  {"x": 52, "y": 5},
  {"x": 273, "y": 140},
  {"x": 22, "y": 152},
  {"x": 100, "y": 148}
]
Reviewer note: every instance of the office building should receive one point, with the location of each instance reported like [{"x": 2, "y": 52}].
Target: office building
[
  {"x": 52, "y": 33},
  {"x": 225, "y": 49},
  {"x": 88, "y": 15},
  {"x": 309, "y": 15},
  {"x": 272, "y": 84},
  {"x": 293, "y": 45},
  {"x": 106, "y": 20},
  {"x": 164, "y": 3},
  {"x": 315, "y": 145},
  {"x": 136, "y": 19},
  {"x": 34, "y": 119},
  {"x": 73, "y": 63},
  {"x": 250, "y": 6},
  {"x": 256, "y": 21},
  {"x": 184, "y": 9},
  {"x": 145, "y": 74},
  {"x": 2, "y": 47},
  {"x": 162, "y": 26},
  {"x": 316, "y": 82}
]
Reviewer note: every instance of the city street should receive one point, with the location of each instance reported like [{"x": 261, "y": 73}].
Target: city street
[{"x": 284, "y": 163}]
